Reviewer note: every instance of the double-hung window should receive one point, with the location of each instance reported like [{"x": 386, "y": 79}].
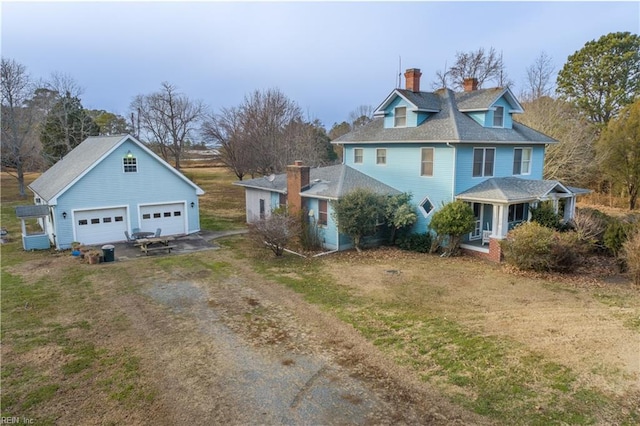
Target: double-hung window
[
  {"x": 357, "y": 155},
  {"x": 483, "y": 159},
  {"x": 322, "y": 212},
  {"x": 522, "y": 161},
  {"x": 381, "y": 156},
  {"x": 498, "y": 117},
  {"x": 129, "y": 164},
  {"x": 400, "y": 117},
  {"x": 426, "y": 162}
]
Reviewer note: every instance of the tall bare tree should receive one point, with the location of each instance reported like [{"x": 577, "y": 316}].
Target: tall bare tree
[
  {"x": 225, "y": 130},
  {"x": 572, "y": 159},
  {"x": 540, "y": 78},
  {"x": 169, "y": 119},
  {"x": 480, "y": 64},
  {"x": 360, "y": 116},
  {"x": 266, "y": 133},
  {"x": 19, "y": 144}
]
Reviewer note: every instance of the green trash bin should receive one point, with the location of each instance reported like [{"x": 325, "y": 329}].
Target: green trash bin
[{"x": 108, "y": 253}]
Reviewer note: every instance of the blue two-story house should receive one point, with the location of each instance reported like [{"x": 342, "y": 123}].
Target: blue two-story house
[{"x": 441, "y": 146}]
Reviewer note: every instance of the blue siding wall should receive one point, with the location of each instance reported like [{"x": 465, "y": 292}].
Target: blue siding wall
[
  {"x": 402, "y": 172},
  {"x": 328, "y": 234},
  {"x": 503, "y": 164},
  {"x": 107, "y": 186}
]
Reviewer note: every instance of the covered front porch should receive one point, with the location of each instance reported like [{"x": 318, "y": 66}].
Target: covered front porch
[{"x": 500, "y": 204}]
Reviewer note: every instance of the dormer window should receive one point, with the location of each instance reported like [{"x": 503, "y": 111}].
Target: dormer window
[
  {"x": 129, "y": 163},
  {"x": 400, "y": 117},
  {"x": 498, "y": 117}
]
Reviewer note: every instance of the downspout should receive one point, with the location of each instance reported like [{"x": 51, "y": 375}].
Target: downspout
[{"x": 453, "y": 168}]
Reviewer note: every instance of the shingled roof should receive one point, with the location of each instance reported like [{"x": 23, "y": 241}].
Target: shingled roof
[
  {"x": 331, "y": 182},
  {"x": 74, "y": 164},
  {"x": 80, "y": 160},
  {"x": 513, "y": 189},
  {"x": 449, "y": 124}
]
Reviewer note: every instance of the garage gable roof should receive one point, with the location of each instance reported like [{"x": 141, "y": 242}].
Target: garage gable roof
[{"x": 84, "y": 157}]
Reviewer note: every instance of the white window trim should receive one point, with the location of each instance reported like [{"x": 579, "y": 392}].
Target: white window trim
[
  {"x": 501, "y": 126},
  {"x": 354, "y": 155},
  {"x": 422, "y": 210},
  {"x": 522, "y": 159},
  {"x": 385, "y": 156},
  {"x": 395, "y": 116},
  {"x": 125, "y": 165},
  {"x": 433, "y": 161},
  {"x": 484, "y": 160}
]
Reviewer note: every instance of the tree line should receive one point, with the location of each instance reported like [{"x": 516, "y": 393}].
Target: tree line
[{"x": 595, "y": 89}]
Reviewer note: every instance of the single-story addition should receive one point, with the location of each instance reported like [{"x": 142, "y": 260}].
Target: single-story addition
[
  {"x": 111, "y": 184},
  {"x": 311, "y": 190}
]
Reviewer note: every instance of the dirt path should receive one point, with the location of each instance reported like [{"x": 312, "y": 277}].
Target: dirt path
[{"x": 243, "y": 351}]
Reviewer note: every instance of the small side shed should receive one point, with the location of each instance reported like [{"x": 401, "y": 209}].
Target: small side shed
[{"x": 36, "y": 240}]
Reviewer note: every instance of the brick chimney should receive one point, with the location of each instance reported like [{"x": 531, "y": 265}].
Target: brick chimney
[
  {"x": 297, "y": 180},
  {"x": 470, "y": 84},
  {"x": 412, "y": 76}
]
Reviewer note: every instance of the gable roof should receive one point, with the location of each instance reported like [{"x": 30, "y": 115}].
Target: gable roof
[
  {"x": 514, "y": 189},
  {"x": 449, "y": 124},
  {"x": 331, "y": 182},
  {"x": 483, "y": 99},
  {"x": 421, "y": 101},
  {"x": 80, "y": 160}
]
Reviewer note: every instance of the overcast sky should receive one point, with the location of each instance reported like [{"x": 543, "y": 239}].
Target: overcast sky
[{"x": 328, "y": 57}]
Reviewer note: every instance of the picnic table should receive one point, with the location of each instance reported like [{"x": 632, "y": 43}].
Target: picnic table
[
  {"x": 155, "y": 243},
  {"x": 142, "y": 234}
]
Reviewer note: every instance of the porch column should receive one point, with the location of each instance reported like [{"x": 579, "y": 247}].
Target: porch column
[
  {"x": 503, "y": 221},
  {"x": 495, "y": 221},
  {"x": 569, "y": 208}
]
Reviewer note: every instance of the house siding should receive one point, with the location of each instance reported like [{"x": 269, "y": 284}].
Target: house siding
[
  {"x": 503, "y": 163},
  {"x": 402, "y": 172},
  {"x": 328, "y": 233},
  {"x": 107, "y": 185}
]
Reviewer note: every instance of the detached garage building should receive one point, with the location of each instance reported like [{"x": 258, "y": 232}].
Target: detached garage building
[{"x": 111, "y": 184}]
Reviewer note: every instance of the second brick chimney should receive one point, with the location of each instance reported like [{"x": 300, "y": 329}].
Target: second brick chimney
[
  {"x": 412, "y": 76},
  {"x": 297, "y": 180},
  {"x": 470, "y": 84}
]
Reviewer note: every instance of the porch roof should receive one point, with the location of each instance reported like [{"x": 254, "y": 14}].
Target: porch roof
[
  {"x": 40, "y": 210},
  {"x": 508, "y": 190}
]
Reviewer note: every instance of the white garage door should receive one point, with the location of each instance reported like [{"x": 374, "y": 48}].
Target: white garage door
[
  {"x": 168, "y": 217},
  {"x": 100, "y": 226}
]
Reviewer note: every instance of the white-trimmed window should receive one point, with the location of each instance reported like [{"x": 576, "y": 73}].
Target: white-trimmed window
[
  {"x": 130, "y": 164},
  {"x": 358, "y": 155},
  {"x": 400, "y": 117},
  {"x": 498, "y": 117},
  {"x": 322, "y": 212},
  {"x": 426, "y": 206},
  {"x": 381, "y": 156},
  {"x": 483, "y": 159},
  {"x": 426, "y": 162},
  {"x": 522, "y": 161}
]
